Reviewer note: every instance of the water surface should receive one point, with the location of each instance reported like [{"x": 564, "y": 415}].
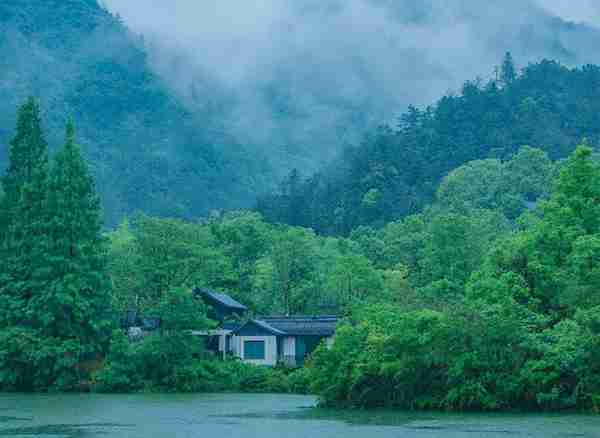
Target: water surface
[{"x": 264, "y": 416}]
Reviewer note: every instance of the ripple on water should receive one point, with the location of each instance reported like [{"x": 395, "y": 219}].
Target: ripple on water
[
  {"x": 6, "y": 419},
  {"x": 64, "y": 430}
]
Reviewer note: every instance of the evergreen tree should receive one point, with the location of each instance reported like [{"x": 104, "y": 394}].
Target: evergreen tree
[
  {"x": 24, "y": 217},
  {"x": 3, "y": 224},
  {"x": 508, "y": 72},
  {"x": 75, "y": 301}
]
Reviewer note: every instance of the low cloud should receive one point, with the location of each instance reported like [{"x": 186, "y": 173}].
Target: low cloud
[
  {"x": 578, "y": 11},
  {"x": 303, "y": 78}
]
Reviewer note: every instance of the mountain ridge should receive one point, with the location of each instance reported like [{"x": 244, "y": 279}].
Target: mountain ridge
[{"x": 149, "y": 153}]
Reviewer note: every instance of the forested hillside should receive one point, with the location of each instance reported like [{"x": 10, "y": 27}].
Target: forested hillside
[
  {"x": 396, "y": 170},
  {"x": 481, "y": 287},
  {"x": 146, "y": 150},
  {"x": 179, "y": 131}
]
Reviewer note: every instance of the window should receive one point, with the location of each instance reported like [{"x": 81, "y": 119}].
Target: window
[{"x": 254, "y": 350}]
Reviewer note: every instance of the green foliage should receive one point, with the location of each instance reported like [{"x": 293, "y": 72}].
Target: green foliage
[
  {"x": 147, "y": 150},
  {"x": 495, "y": 185},
  {"x": 293, "y": 261},
  {"x": 75, "y": 301},
  {"x": 271, "y": 269},
  {"x": 121, "y": 372},
  {"x": 54, "y": 287},
  {"x": 245, "y": 240},
  {"x": 159, "y": 363},
  {"x": 388, "y": 359},
  {"x": 503, "y": 320},
  {"x": 31, "y": 361},
  {"x": 455, "y": 245},
  {"x": 553, "y": 255},
  {"x": 354, "y": 279},
  {"x": 151, "y": 256},
  {"x": 25, "y": 235},
  {"x": 162, "y": 358},
  {"x": 485, "y": 300},
  {"x": 441, "y": 246},
  {"x": 396, "y": 171},
  {"x": 178, "y": 311}
]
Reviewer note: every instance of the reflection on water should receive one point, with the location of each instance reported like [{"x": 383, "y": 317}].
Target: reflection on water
[{"x": 264, "y": 416}]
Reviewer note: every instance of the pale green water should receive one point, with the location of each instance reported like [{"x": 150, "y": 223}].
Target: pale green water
[{"x": 249, "y": 416}]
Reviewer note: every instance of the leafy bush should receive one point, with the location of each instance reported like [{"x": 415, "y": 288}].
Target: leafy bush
[
  {"x": 121, "y": 372},
  {"x": 31, "y": 362},
  {"x": 160, "y": 363},
  {"x": 474, "y": 356}
]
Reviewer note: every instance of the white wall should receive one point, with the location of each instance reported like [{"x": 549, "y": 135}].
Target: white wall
[
  {"x": 270, "y": 349},
  {"x": 289, "y": 346}
]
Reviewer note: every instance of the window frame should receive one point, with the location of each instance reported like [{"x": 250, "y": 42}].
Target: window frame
[{"x": 253, "y": 353}]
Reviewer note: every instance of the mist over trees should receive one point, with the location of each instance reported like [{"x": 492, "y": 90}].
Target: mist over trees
[
  {"x": 171, "y": 102},
  {"x": 396, "y": 170},
  {"x": 147, "y": 151}
]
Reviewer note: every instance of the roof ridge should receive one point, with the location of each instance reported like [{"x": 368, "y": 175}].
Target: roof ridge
[{"x": 298, "y": 316}]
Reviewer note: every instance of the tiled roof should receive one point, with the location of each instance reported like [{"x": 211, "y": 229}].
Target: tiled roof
[
  {"x": 222, "y": 299},
  {"x": 302, "y": 325},
  {"x": 231, "y": 326},
  {"x": 268, "y": 327}
]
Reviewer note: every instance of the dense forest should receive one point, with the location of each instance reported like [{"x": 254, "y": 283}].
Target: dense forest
[
  {"x": 511, "y": 322},
  {"x": 477, "y": 302},
  {"x": 396, "y": 171},
  {"x": 170, "y": 140}
]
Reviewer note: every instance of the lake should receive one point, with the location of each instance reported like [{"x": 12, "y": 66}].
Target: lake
[{"x": 250, "y": 415}]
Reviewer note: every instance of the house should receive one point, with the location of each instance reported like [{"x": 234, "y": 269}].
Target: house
[
  {"x": 265, "y": 340},
  {"x": 287, "y": 340}
]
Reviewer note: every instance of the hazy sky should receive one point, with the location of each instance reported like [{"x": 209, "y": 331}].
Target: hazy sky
[
  {"x": 307, "y": 71},
  {"x": 586, "y": 11}
]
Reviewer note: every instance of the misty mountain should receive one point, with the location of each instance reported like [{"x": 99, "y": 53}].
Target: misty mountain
[
  {"x": 397, "y": 169},
  {"x": 183, "y": 106},
  {"x": 147, "y": 150},
  {"x": 301, "y": 80}
]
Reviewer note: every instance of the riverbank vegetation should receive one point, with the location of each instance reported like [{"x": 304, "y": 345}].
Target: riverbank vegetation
[
  {"x": 519, "y": 327},
  {"x": 165, "y": 364},
  {"x": 485, "y": 298}
]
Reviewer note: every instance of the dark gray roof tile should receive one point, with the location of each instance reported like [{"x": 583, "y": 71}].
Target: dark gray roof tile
[
  {"x": 303, "y": 325},
  {"x": 220, "y": 298}
]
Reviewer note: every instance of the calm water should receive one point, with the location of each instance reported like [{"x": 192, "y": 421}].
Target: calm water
[{"x": 248, "y": 416}]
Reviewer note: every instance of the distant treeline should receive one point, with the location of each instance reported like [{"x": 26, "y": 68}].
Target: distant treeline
[{"x": 397, "y": 169}]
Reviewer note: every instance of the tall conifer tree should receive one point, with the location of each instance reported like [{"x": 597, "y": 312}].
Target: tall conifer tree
[
  {"x": 25, "y": 218},
  {"x": 74, "y": 305},
  {"x": 508, "y": 73}
]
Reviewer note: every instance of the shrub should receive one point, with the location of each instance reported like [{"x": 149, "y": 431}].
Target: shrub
[
  {"x": 30, "y": 362},
  {"x": 160, "y": 363}
]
